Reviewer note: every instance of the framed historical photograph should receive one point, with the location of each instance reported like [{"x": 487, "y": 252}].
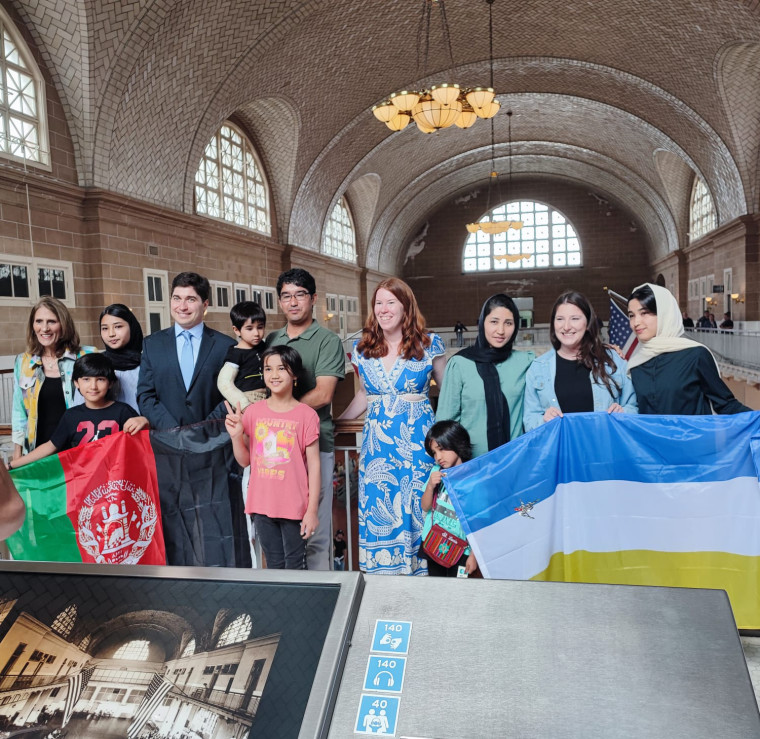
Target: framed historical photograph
[{"x": 169, "y": 653}]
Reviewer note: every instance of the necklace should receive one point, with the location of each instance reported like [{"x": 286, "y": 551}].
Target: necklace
[{"x": 49, "y": 363}]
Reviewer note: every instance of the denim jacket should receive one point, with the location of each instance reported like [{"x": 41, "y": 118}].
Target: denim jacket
[
  {"x": 540, "y": 395},
  {"x": 28, "y": 375}
]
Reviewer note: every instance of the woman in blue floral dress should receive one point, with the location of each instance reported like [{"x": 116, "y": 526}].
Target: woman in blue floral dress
[{"x": 395, "y": 360}]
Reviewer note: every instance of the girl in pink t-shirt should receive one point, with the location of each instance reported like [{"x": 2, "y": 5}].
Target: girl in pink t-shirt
[{"x": 279, "y": 438}]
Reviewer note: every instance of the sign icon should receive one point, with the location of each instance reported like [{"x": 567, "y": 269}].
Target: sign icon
[
  {"x": 385, "y": 673},
  {"x": 378, "y": 715},
  {"x": 392, "y": 637}
]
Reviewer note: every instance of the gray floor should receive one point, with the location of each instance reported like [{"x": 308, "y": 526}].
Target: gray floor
[{"x": 751, "y": 646}]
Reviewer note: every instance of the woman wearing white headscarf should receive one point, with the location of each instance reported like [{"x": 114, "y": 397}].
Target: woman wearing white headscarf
[{"x": 672, "y": 375}]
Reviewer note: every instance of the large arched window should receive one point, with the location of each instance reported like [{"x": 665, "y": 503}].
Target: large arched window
[
  {"x": 23, "y": 123},
  {"x": 546, "y": 240},
  {"x": 189, "y": 649},
  {"x": 236, "y": 631},
  {"x": 703, "y": 217},
  {"x": 136, "y": 649},
  {"x": 230, "y": 182},
  {"x": 64, "y": 621},
  {"x": 339, "y": 240}
]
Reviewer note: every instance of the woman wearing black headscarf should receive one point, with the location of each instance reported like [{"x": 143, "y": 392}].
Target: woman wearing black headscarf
[
  {"x": 483, "y": 385},
  {"x": 123, "y": 338}
]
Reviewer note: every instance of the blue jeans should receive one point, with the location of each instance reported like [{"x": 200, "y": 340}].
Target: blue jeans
[{"x": 281, "y": 542}]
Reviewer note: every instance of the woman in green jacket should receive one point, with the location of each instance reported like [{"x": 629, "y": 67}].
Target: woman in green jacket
[{"x": 483, "y": 385}]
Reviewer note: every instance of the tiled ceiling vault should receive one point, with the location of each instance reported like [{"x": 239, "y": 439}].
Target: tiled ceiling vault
[{"x": 629, "y": 98}]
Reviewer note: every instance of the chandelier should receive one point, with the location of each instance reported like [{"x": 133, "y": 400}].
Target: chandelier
[
  {"x": 499, "y": 227},
  {"x": 447, "y": 103}
]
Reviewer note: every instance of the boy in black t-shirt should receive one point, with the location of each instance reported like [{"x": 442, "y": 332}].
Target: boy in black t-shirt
[
  {"x": 241, "y": 380},
  {"x": 100, "y": 416}
]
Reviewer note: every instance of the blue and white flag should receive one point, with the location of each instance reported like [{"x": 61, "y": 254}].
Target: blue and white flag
[{"x": 618, "y": 498}]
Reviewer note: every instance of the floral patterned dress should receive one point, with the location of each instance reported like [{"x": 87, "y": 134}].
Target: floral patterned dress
[{"x": 394, "y": 466}]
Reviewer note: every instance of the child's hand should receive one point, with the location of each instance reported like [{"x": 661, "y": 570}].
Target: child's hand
[
  {"x": 471, "y": 564},
  {"x": 435, "y": 478},
  {"x": 309, "y": 525},
  {"x": 133, "y": 425},
  {"x": 234, "y": 420}
]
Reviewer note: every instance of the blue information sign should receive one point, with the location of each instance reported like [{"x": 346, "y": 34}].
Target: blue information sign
[
  {"x": 385, "y": 673},
  {"x": 378, "y": 714},
  {"x": 392, "y": 637}
]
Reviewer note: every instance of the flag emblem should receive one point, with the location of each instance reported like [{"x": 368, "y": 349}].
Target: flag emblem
[
  {"x": 524, "y": 509},
  {"x": 116, "y": 522}
]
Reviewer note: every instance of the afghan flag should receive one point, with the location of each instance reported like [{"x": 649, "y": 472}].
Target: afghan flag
[
  {"x": 621, "y": 499},
  {"x": 95, "y": 503}
]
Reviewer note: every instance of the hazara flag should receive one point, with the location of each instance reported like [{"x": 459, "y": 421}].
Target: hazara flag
[
  {"x": 94, "y": 503},
  {"x": 625, "y": 499}
]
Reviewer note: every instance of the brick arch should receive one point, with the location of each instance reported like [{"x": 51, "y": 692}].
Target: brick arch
[
  {"x": 362, "y": 195},
  {"x": 638, "y": 109},
  {"x": 274, "y": 124},
  {"x": 736, "y": 71},
  {"x": 676, "y": 176},
  {"x": 402, "y": 219}
]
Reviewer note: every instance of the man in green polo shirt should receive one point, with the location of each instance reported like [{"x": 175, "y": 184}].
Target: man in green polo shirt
[{"x": 324, "y": 364}]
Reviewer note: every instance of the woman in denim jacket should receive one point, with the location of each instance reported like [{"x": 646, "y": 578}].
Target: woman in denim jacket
[
  {"x": 42, "y": 388},
  {"x": 580, "y": 374}
]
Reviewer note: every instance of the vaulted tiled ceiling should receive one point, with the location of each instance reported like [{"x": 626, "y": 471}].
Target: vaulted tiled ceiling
[{"x": 629, "y": 98}]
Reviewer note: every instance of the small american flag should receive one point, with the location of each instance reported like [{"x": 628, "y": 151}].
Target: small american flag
[
  {"x": 620, "y": 331},
  {"x": 76, "y": 684},
  {"x": 157, "y": 690}
]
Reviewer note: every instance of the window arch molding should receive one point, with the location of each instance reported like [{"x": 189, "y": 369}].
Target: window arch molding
[
  {"x": 23, "y": 108},
  {"x": 230, "y": 183},
  {"x": 703, "y": 217},
  {"x": 546, "y": 240},
  {"x": 339, "y": 234}
]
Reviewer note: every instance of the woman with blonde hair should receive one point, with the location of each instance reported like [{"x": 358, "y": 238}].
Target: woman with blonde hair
[
  {"x": 395, "y": 360},
  {"x": 43, "y": 388}
]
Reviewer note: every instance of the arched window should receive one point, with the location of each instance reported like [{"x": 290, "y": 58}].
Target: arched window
[
  {"x": 135, "y": 649},
  {"x": 64, "y": 621},
  {"x": 23, "y": 120},
  {"x": 189, "y": 650},
  {"x": 546, "y": 240},
  {"x": 85, "y": 643},
  {"x": 703, "y": 217},
  {"x": 236, "y": 631},
  {"x": 230, "y": 182},
  {"x": 339, "y": 240}
]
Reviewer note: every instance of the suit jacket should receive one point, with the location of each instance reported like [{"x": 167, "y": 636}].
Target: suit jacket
[{"x": 161, "y": 392}]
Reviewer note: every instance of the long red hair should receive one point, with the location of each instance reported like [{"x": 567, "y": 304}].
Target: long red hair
[{"x": 414, "y": 336}]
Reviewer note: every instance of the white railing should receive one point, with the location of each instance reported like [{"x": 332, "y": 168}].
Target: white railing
[
  {"x": 6, "y": 396},
  {"x": 739, "y": 348}
]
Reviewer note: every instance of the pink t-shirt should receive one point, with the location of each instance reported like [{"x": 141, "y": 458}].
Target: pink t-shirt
[{"x": 279, "y": 485}]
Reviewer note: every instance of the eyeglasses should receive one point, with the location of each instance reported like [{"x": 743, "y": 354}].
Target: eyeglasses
[{"x": 300, "y": 296}]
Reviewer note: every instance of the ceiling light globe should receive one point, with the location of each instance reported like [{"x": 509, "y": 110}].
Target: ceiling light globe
[
  {"x": 384, "y": 111},
  {"x": 466, "y": 118},
  {"x": 479, "y": 97},
  {"x": 490, "y": 110},
  {"x": 445, "y": 93},
  {"x": 399, "y": 122},
  {"x": 405, "y": 100}
]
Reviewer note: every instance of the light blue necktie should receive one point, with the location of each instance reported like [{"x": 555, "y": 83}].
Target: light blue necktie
[{"x": 186, "y": 362}]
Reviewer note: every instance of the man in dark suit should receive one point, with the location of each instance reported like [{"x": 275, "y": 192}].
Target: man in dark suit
[
  {"x": 166, "y": 398},
  {"x": 201, "y": 504}
]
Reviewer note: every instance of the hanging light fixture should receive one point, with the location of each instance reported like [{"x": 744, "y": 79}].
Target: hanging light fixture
[
  {"x": 499, "y": 227},
  {"x": 445, "y": 104}
]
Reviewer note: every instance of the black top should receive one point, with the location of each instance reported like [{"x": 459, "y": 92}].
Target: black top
[
  {"x": 573, "y": 387},
  {"x": 81, "y": 424},
  {"x": 683, "y": 383},
  {"x": 250, "y": 370},
  {"x": 51, "y": 405},
  {"x": 688, "y": 322}
]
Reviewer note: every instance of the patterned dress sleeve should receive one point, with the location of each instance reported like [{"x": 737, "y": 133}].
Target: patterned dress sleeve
[{"x": 437, "y": 347}]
